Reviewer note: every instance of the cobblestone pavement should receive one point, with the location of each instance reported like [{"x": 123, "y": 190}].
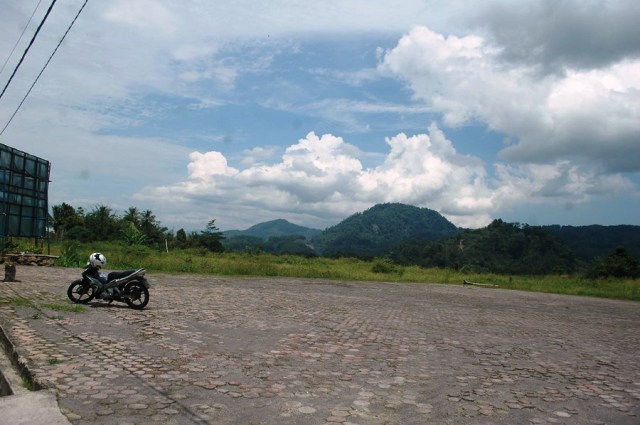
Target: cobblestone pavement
[{"x": 221, "y": 350}]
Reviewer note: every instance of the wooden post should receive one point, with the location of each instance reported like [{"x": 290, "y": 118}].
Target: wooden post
[{"x": 9, "y": 272}]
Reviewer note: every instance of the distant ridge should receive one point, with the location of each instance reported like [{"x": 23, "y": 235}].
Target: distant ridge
[
  {"x": 274, "y": 228},
  {"x": 415, "y": 235}
]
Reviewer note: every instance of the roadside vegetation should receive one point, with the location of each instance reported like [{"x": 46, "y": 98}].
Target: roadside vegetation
[
  {"x": 505, "y": 255},
  {"x": 202, "y": 261}
]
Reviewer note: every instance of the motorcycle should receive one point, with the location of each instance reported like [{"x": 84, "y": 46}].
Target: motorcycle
[{"x": 129, "y": 286}]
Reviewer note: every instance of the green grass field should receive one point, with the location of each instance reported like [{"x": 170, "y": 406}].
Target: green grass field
[{"x": 245, "y": 264}]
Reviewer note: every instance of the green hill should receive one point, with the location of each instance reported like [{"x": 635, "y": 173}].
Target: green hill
[
  {"x": 499, "y": 248},
  {"x": 375, "y": 231},
  {"x": 276, "y": 236},
  {"x": 591, "y": 242},
  {"x": 273, "y": 228},
  {"x": 420, "y": 236}
]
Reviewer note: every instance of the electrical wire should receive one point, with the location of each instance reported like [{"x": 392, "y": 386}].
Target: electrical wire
[
  {"x": 44, "y": 67},
  {"x": 20, "y": 38},
  {"x": 28, "y": 47}
]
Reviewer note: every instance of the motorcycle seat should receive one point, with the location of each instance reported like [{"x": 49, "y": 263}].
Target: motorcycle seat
[{"x": 119, "y": 275}]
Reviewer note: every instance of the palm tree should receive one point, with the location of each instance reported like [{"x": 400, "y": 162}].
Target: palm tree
[
  {"x": 151, "y": 227},
  {"x": 64, "y": 217},
  {"x": 132, "y": 216},
  {"x": 102, "y": 223},
  {"x": 147, "y": 221}
]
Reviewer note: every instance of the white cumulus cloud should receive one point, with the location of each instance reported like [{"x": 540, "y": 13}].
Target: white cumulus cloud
[
  {"x": 320, "y": 181},
  {"x": 592, "y": 115}
]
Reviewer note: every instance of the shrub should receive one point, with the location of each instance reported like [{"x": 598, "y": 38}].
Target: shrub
[
  {"x": 616, "y": 264},
  {"x": 70, "y": 255},
  {"x": 385, "y": 266},
  {"x": 79, "y": 233}
]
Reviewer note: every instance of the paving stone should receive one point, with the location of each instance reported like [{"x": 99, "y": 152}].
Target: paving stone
[{"x": 265, "y": 351}]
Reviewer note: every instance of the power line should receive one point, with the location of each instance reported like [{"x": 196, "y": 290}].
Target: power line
[
  {"x": 28, "y": 47},
  {"x": 44, "y": 67},
  {"x": 20, "y": 38}
]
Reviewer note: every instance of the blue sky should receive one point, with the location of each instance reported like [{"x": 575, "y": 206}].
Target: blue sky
[{"x": 523, "y": 110}]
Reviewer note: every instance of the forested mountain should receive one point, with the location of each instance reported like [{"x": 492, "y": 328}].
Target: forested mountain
[
  {"x": 591, "y": 242},
  {"x": 277, "y": 236},
  {"x": 413, "y": 235},
  {"x": 277, "y": 228},
  {"x": 499, "y": 248},
  {"x": 375, "y": 231}
]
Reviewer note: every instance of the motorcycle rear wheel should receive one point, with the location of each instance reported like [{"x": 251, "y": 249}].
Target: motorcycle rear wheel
[
  {"x": 80, "y": 293},
  {"x": 136, "y": 295}
]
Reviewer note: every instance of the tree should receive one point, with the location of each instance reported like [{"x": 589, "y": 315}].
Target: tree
[
  {"x": 500, "y": 248},
  {"x": 290, "y": 244},
  {"x": 211, "y": 238},
  {"x": 65, "y": 217},
  {"x": 133, "y": 216},
  {"x": 80, "y": 234},
  {"x": 102, "y": 223},
  {"x": 181, "y": 238},
  {"x": 616, "y": 264},
  {"x": 150, "y": 227},
  {"x": 243, "y": 243}
]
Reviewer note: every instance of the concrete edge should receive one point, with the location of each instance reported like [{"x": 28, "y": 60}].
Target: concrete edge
[
  {"x": 17, "y": 365},
  {"x": 20, "y": 405}
]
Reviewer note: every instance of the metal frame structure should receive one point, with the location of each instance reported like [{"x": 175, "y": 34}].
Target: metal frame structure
[{"x": 24, "y": 187}]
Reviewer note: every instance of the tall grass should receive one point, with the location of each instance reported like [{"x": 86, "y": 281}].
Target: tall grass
[{"x": 201, "y": 261}]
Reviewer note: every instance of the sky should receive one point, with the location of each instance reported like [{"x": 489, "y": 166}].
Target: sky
[{"x": 250, "y": 111}]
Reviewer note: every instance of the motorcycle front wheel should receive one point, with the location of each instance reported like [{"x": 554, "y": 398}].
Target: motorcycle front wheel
[
  {"x": 136, "y": 295},
  {"x": 80, "y": 293}
]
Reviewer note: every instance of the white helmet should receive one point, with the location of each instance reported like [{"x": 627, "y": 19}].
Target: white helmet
[{"x": 97, "y": 260}]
